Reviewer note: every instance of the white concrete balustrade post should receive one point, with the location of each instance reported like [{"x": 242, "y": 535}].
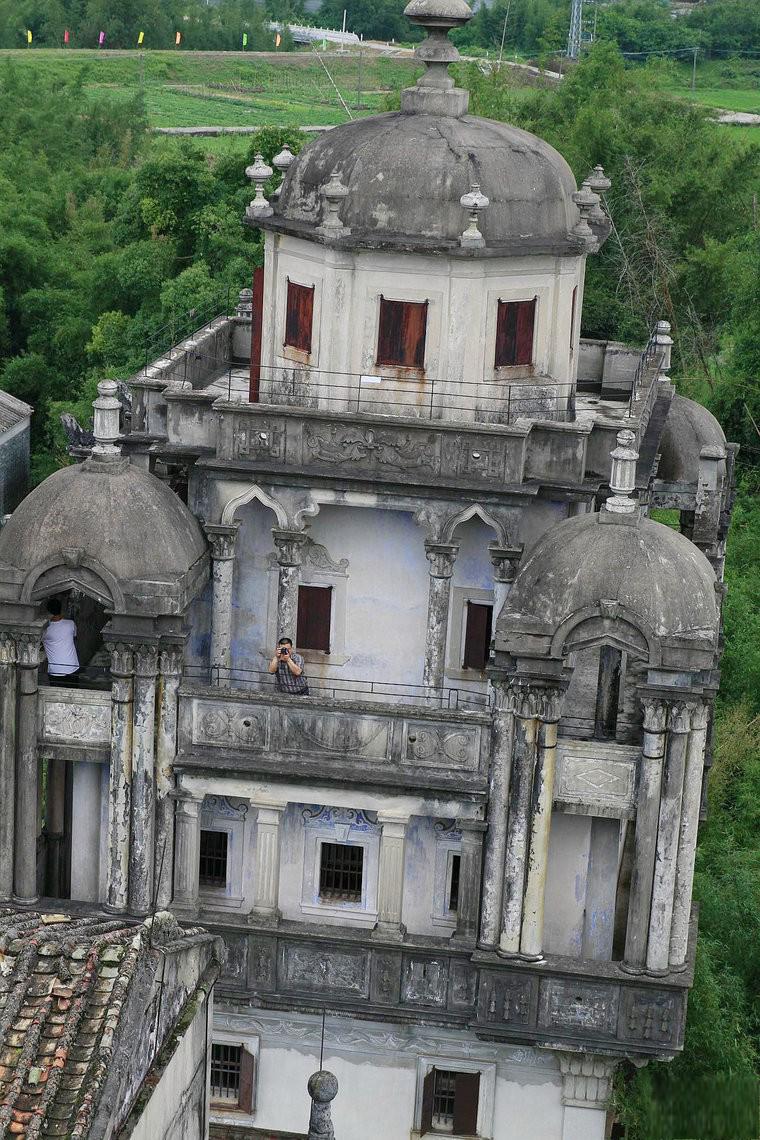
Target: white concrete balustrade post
[
  {"x": 687, "y": 837},
  {"x": 502, "y": 736},
  {"x": 663, "y": 887},
  {"x": 222, "y": 541},
  {"x": 26, "y": 819},
  {"x": 441, "y": 556},
  {"x": 532, "y": 933},
  {"x": 266, "y": 866},
  {"x": 290, "y": 544},
  {"x": 170, "y": 669},
  {"x": 7, "y": 762},
  {"x": 390, "y": 885},
  {"x": 120, "y": 776},
  {"x": 187, "y": 852},
  {"x": 524, "y": 748},
  {"x": 142, "y": 843}
]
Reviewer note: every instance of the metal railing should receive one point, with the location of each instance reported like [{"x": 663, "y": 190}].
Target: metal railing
[
  {"x": 651, "y": 351},
  {"x": 183, "y": 325},
  {"x": 348, "y": 688}
]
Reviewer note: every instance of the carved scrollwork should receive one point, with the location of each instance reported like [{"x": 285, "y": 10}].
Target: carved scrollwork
[
  {"x": 344, "y": 735},
  {"x": 441, "y": 746},
  {"x": 219, "y": 725},
  {"x": 77, "y": 724},
  {"x": 223, "y": 807},
  {"x": 317, "y": 816},
  {"x": 401, "y": 450}
]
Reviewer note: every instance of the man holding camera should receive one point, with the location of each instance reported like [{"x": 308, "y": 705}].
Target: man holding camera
[{"x": 287, "y": 667}]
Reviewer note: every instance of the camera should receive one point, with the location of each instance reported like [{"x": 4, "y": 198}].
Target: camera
[{"x": 284, "y": 652}]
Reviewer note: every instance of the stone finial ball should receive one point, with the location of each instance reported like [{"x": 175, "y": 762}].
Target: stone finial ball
[{"x": 323, "y": 1086}]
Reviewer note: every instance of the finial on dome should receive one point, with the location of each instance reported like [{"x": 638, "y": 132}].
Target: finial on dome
[
  {"x": 333, "y": 193},
  {"x": 474, "y": 202},
  {"x": 623, "y": 475},
  {"x": 323, "y": 1088},
  {"x": 258, "y": 173},
  {"x": 106, "y": 411},
  {"x": 598, "y": 180},
  {"x": 435, "y": 93}
]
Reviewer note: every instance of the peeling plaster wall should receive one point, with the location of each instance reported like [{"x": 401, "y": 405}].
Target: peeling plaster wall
[
  {"x": 86, "y": 827},
  {"x": 581, "y": 886}
]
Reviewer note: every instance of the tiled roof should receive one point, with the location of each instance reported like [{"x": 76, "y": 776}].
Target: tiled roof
[
  {"x": 12, "y": 411},
  {"x": 63, "y": 981}
]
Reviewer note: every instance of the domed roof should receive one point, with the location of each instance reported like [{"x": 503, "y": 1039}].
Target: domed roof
[
  {"x": 688, "y": 428},
  {"x": 405, "y": 174},
  {"x": 652, "y": 573},
  {"x": 115, "y": 521}
]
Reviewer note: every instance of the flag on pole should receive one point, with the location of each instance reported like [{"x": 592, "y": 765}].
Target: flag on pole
[
  {"x": 66, "y": 35},
  {"x": 277, "y": 40},
  {"x": 140, "y": 38},
  {"x": 101, "y": 39},
  {"x": 178, "y": 38},
  {"x": 245, "y": 39},
  {"x": 28, "y": 37}
]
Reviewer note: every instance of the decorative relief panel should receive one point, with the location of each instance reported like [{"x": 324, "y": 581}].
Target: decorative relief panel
[
  {"x": 232, "y": 725},
  {"x": 359, "y": 737},
  {"x": 463, "y": 985},
  {"x": 385, "y": 985},
  {"x": 596, "y": 781},
  {"x": 262, "y": 963},
  {"x": 651, "y": 1017},
  {"x": 258, "y": 439},
  {"x": 235, "y": 965},
  {"x": 67, "y": 722},
  {"x": 507, "y": 999},
  {"x": 582, "y": 1006},
  {"x": 440, "y": 746},
  {"x": 325, "y": 969},
  {"x": 372, "y": 448},
  {"x": 424, "y": 981}
]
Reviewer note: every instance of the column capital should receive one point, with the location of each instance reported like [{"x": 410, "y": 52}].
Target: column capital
[
  {"x": 586, "y": 1079},
  {"x": 146, "y": 660},
  {"x": 655, "y": 714},
  {"x": 122, "y": 658},
  {"x": 385, "y": 818},
  {"x": 679, "y": 717},
  {"x": 268, "y": 811},
  {"x": 504, "y": 560},
  {"x": 529, "y": 700},
  {"x": 700, "y": 717},
  {"x": 222, "y": 540},
  {"x": 441, "y": 556},
  {"x": 186, "y": 804},
  {"x": 170, "y": 659},
  {"x": 28, "y": 650},
  {"x": 290, "y": 544},
  {"x": 8, "y": 649}
]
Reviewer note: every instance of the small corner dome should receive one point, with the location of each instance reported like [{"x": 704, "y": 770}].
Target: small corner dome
[
  {"x": 119, "y": 522},
  {"x": 651, "y": 571},
  {"x": 688, "y": 428},
  {"x": 405, "y": 174}
]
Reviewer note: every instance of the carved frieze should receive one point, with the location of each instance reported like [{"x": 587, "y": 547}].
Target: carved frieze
[
  {"x": 654, "y": 1018},
  {"x": 238, "y": 726},
  {"x": 359, "y": 737},
  {"x": 223, "y": 807},
  {"x": 385, "y": 984},
  {"x": 262, "y": 963},
  {"x": 507, "y": 999},
  {"x": 69, "y": 723},
  {"x": 463, "y": 985},
  {"x": 235, "y": 965},
  {"x": 574, "y": 1005},
  {"x": 440, "y": 745},
  {"x": 425, "y": 981},
  {"x": 325, "y": 969},
  {"x": 373, "y": 448},
  {"x": 258, "y": 439}
]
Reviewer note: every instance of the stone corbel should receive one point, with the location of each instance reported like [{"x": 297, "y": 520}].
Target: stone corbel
[{"x": 586, "y": 1079}]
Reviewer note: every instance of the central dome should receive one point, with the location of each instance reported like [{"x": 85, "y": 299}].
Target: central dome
[{"x": 405, "y": 174}]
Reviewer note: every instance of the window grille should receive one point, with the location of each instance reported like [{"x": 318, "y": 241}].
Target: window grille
[
  {"x": 340, "y": 872},
  {"x": 454, "y": 882},
  {"x": 213, "y": 862},
  {"x": 444, "y": 1093},
  {"x": 225, "y": 1072}
]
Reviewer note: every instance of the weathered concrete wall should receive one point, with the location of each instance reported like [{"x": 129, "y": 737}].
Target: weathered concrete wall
[
  {"x": 581, "y": 886},
  {"x": 88, "y": 846}
]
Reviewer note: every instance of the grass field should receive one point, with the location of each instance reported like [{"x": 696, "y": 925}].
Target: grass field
[
  {"x": 732, "y": 85},
  {"x": 186, "y": 89}
]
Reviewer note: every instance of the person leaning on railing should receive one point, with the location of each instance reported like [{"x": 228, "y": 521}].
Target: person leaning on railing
[{"x": 287, "y": 667}]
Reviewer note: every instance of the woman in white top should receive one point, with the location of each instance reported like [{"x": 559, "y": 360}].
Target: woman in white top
[{"x": 59, "y": 643}]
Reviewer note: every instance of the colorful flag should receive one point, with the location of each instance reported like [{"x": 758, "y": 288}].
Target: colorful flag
[
  {"x": 245, "y": 39},
  {"x": 178, "y": 38},
  {"x": 28, "y": 37},
  {"x": 277, "y": 40},
  {"x": 66, "y": 35},
  {"x": 140, "y": 38},
  {"x": 101, "y": 39}
]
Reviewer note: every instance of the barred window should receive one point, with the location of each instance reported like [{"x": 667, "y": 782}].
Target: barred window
[
  {"x": 225, "y": 1072},
  {"x": 444, "y": 1090},
  {"x": 341, "y": 868},
  {"x": 213, "y": 862},
  {"x": 454, "y": 882},
  {"x": 450, "y": 1102}
]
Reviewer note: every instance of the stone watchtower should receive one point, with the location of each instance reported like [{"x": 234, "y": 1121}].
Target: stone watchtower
[{"x": 470, "y": 847}]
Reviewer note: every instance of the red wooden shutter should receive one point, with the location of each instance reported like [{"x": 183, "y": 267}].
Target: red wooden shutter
[
  {"x": 477, "y": 635},
  {"x": 314, "y": 612},
  {"x": 514, "y": 333},
  {"x": 426, "y": 1119},
  {"x": 466, "y": 1092},
  {"x": 299, "y": 314},
  {"x": 245, "y": 1093},
  {"x": 402, "y": 332},
  {"x": 257, "y": 320}
]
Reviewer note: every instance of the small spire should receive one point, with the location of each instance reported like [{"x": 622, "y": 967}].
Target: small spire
[
  {"x": 623, "y": 475},
  {"x": 333, "y": 193},
  {"x": 435, "y": 92},
  {"x": 598, "y": 180},
  {"x": 283, "y": 159},
  {"x": 259, "y": 173},
  {"x": 473, "y": 202},
  {"x": 323, "y": 1088},
  {"x": 106, "y": 411}
]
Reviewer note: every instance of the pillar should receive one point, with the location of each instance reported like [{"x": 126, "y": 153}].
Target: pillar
[
  {"x": 504, "y": 561},
  {"x": 390, "y": 885},
  {"x": 170, "y": 669},
  {"x": 120, "y": 777},
  {"x": 266, "y": 868},
  {"x": 441, "y": 556},
  {"x": 222, "y": 540},
  {"x": 542, "y": 798},
  {"x": 289, "y": 545},
  {"x": 470, "y": 866},
  {"x": 187, "y": 853},
  {"x": 54, "y": 827},
  {"x": 645, "y": 839},
  {"x": 687, "y": 837},
  {"x": 26, "y": 819},
  {"x": 663, "y": 887},
  {"x": 7, "y": 762},
  {"x": 143, "y": 816},
  {"x": 515, "y": 859},
  {"x": 502, "y": 736}
]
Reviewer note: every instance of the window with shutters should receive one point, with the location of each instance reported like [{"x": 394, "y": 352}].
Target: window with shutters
[
  {"x": 213, "y": 860},
  {"x": 450, "y": 1101},
  {"x": 314, "y": 618},
  {"x": 341, "y": 867},
  {"x": 401, "y": 334},
  {"x": 515, "y": 321},
  {"x": 453, "y": 885},
  {"x": 232, "y": 1073},
  {"x": 477, "y": 635},
  {"x": 299, "y": 314}
]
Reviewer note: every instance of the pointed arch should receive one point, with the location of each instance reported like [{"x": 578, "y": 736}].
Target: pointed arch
[
  {"x": 484, "y": 515},
  {"x": 250, "y": 494}
]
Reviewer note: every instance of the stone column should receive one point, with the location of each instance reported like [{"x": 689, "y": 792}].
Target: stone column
[
  {"x": 645, "y": 840},
  {"x": 390, "y": 886},
  {"x": 142, "y": 843},
  {"x": 222, "y": 540},
  {"x": 170, "y": 670},
  {"x": 663, "y": 887},
  {"x": 26, "y": 821},
  {"x": 266, "y": 868},
  {"x": 187, "y": 853},
  {"x": 524, "y": 750},
  {"x": 470, "y": 867},
  {"x": 504, "y": 561},
  {"x": 687, "y": 837},
  {"x": 441, "y": 556},
  {"x": 542, "y": 798},
  {"x": 502, "y": 736},
  {"x": 586, "y": 1090},
  {"x": 7, "y": 762},
  {"x": 289, "y": 545},
  {"x": 120, "y": 779}
]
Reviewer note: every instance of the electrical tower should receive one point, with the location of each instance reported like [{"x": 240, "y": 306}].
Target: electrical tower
[{"x": 576, "y": 26}]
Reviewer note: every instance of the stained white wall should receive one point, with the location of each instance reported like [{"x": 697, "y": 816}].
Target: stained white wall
[
  {"x": 89, "y": 789},
  {"x": 581, "y": 886}
]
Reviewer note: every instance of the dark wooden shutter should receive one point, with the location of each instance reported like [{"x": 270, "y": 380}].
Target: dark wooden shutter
[
  {"x": 477, "y": 635},
  {"x": 466, "y": 1092},
  {"x": 572, "y": 317},
  {"x": 314, "y": 612},
  {"x": 298, "y": 316},
  {"x": 257, "y": 319},
  {"x": 245, "y": 1095},
  {"x": 426, "y": 1119},
  {"x": 402, "y": 332},
  {"x": 514, "y": 333}
]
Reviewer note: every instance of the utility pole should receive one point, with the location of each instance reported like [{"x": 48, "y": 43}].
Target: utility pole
[
  {"x": 503, "y": 34},
  {"x": 694, "y": 70},
  {"x": 574, "y": 36},
  {"x": 359, "y": 80}
]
